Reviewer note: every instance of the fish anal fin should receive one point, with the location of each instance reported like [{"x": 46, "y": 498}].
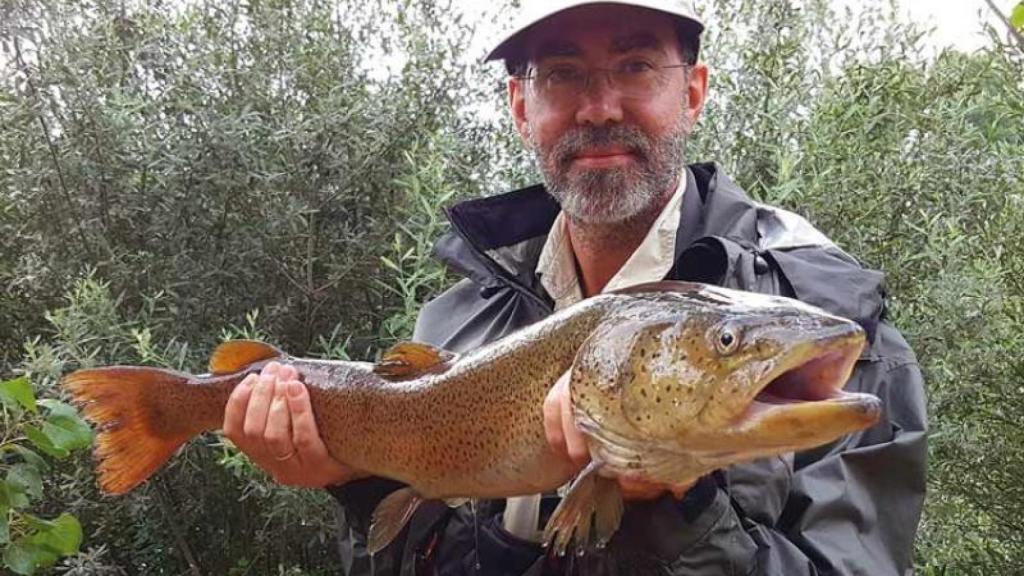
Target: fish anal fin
[
  {"x": 456, "y": 502},
  {"x": 411, "y": 359},
  {"x": 234, "y": 355},
  {"x": 390, "y": 517},
  {"x": 589, "y": 513}
]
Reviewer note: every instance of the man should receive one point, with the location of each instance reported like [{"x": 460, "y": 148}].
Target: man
[{"x": 604, "y": 95}]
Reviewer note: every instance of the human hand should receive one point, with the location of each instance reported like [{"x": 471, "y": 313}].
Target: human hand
[
  {"x": 568, "y": 441},
  {"x": 270, "y": 419}
]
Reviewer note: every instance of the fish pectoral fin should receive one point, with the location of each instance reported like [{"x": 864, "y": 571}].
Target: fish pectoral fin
[
  {"x": 589, "y": 513},
  {"x": 234, "y": 355},
  {"x": 390, "y": 516},
  {"x": 411, "y": 359}
]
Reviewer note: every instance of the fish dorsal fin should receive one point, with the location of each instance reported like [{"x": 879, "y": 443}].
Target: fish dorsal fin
[
  {"x": 235, "y": 355},
  {"x": 411, "y": 359},
  {"x": 390, "y": 516}
]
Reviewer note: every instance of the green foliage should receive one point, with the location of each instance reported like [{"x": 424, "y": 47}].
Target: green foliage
[
  {"x": 223, "y": 153},
  {"x": 30, "y": 426},
  {"x": 174, "y": 176},
  {"x": 414, "y": 275},
  {"x": 208, "y": 494},
  {"x": 1017, "y": 17}
]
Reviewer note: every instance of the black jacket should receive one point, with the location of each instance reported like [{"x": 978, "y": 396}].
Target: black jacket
[{"x": 851, "y": 507}]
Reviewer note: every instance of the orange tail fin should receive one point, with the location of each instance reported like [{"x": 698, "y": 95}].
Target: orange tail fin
[{"x": 142, "y": 415}]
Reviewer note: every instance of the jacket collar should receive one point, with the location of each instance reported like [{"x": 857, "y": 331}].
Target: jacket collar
[{"x": 497, "y": 240}]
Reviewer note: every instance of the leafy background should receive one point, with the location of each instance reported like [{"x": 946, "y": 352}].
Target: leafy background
[{"x": 173, "y": 174}]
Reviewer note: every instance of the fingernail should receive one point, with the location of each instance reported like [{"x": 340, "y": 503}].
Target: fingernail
[
  {"x": 294, "y": 389},
  {"x": 279, "y": 390}
]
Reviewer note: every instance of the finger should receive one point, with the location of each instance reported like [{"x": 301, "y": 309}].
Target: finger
[
  {"x": 287, "y": 372},
  {"x": 553, "y": 422},
  {"x": 259, "y": 406},
  {"x": 305, "y": 435},
  {"x": 278, "y": 432},
  {"x": 575, "y": 441},
  {"x": 270, "y": 369},
  {"x": 234, "y": 412}
]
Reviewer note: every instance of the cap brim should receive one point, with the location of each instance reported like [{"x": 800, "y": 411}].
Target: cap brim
[{"x": 513, "y": 38}]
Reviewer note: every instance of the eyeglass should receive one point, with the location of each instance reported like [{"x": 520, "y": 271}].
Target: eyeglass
[{"x": 560, "y": 81}]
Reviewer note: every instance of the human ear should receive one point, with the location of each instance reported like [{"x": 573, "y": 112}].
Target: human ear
[
  {"x": 517, "y": 105},
  {"x": 696, "y": 92}
]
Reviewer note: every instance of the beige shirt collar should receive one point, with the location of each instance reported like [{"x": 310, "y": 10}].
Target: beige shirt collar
[{"x": 651, "y": 261}]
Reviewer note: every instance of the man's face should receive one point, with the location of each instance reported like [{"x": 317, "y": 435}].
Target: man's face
[{"x": 605, "y": 153}]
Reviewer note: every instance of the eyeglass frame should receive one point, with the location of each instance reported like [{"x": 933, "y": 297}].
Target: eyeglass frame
[{"x": 608, "y": 72}]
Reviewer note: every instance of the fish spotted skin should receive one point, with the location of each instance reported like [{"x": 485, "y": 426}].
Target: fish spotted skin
[{"x": 670, "y": 380}]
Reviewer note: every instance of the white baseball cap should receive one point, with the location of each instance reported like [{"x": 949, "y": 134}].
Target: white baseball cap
[{"x": 533, "y": 11}]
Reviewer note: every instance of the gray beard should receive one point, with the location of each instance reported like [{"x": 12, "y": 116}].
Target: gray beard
[{"x": 612, "y": 196}]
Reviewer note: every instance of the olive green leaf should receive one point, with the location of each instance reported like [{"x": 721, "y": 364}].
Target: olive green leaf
[
  {"x": 63, "y": 426},
  {"x": 20, "y": 392},
  {"x": 1017, "y": 17},
  {"x": 5, "y": 532},
  {"x": 27, "y": 478},
  {"x": 43, "y": 442},
  {"x": 30, "y": 457},
  {"x": 62, "y": 535},
  {"x": 20, "y": 558},
  {"x": 12, "y": 496}
]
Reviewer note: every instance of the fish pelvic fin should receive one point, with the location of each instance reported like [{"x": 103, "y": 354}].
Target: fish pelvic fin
[
  {"x": 588, "y": 515},
  {"x": 411, "y": 359},
  {"x": 234, "y": 355},
  {"x": 139, "y": 426},
  {"x": 390, "y": 517}
]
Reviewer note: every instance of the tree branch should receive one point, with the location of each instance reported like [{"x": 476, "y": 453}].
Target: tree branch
[
  {"x": 162, "y": 497},
  {"x": 23, "y": 67},
  {"x": 1009, "y": 25}
]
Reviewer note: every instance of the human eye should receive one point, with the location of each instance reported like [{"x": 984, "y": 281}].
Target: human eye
[
  {"x": 561, "y": 74},
  {"x": 635, "y": 67}
]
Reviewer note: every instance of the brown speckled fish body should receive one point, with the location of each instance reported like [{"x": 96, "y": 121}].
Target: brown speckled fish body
[
  {"x": 475, "y": 430},
  {"x": 669, "y": 382}
]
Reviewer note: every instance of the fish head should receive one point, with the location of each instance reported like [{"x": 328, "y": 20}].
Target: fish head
[{"x": 731, "y": 375}]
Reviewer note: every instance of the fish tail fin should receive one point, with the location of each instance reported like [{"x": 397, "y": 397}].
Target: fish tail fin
[{"x": 138, "y": 423}]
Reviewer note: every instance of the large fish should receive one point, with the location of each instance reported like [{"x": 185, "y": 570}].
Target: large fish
[{"x": 669, "y": 382}]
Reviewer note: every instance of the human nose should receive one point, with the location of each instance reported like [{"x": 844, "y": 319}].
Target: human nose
[{"x": 599, "y": 103}]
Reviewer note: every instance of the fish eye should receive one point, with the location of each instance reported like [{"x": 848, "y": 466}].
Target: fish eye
[{"x": 727, "y": 340}]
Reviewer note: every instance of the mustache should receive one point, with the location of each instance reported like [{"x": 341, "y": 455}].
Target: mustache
[{"x": 581, "y": 139}]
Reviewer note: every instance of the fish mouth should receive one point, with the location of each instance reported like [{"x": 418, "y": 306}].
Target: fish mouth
[{"x": 802, "y": 402}]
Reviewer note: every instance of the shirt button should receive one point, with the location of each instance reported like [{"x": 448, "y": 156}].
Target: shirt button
[{"x": 760, "y": 265}]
